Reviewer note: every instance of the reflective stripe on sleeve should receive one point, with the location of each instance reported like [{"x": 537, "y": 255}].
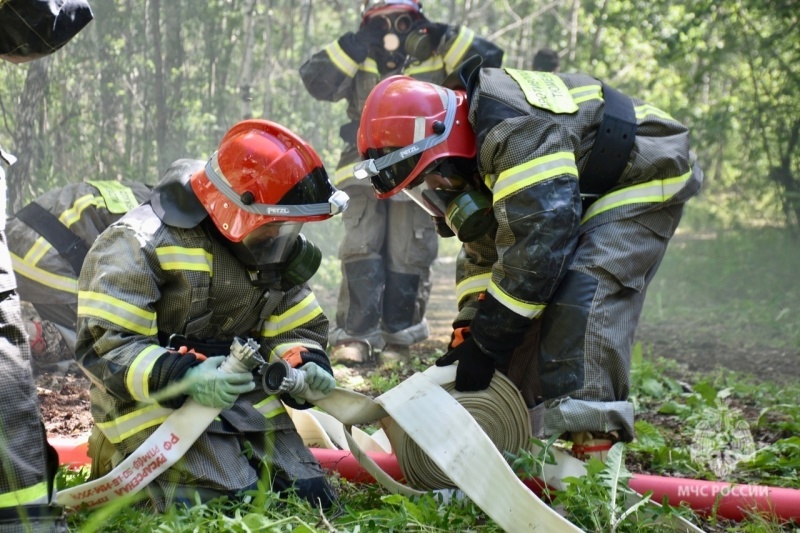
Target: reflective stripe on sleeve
[
  {"x": 587, "y": 92},
  {"x": 655, "y": 191},
  {"x": 303, "y": 312},
  {"x": 270, "y": 406},
  {"x": 343, "y": 173},
  {"x": 280, "y": 350},
  {"x": 536, "y": 170},
  {"x": 432, "y": 64},
  {"x": 116, "y": 311},
  {"x": 25, "y": 496},
  {"x": 180, "y": 258},
  {"x": 472, "y": 285},
  {"x": 342, "y": 61},
  {"x": 528, "y": 310},
  {"x": 370, "y": 66},
  {"x": 138, "y": 375},
  {"x": 644, "y": 110},
  {"x": 455, "y": 54},
  {"x": 43, "y": 277},
  {"x": 124, "y": 426}
]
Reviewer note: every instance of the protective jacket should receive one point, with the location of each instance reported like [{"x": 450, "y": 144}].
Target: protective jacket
[
  {"x": 144, "y": 281},
  {"x": 343, "y": 70},
  {"x": 79, "y": 212},
  {"x": 531, "y": 159},
  {"x": 582, "y": 268}
]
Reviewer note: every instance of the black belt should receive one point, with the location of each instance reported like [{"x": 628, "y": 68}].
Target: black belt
[
  {"x": 612, "y": 146},
  {"x": 208, "y": 347},
  {"x": 64, "y": 240}
]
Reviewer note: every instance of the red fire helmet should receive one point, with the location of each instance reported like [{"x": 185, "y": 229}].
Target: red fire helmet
[
  {"x": 264, "y": 173},
  {"x": 407, "y": 126}
]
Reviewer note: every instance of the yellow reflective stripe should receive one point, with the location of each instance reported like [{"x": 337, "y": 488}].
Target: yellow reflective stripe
[
  {"x": 647, "y": 109},
  {"x": 528, "y": 310},
  {"x": 278, "y": 351},
  {"x": 68, "y": 218},
  {"x": 369, "y": 66},
  {"x": 270, "y": 406},
  {"x": 432, "y": 64},
  {"x": 655, "y": 191},
  {"x": 123, "y": 427},
  {"x": 24, "y": 496},
  {"x": 343, "y": 173},
  {"x": 180, "y": 258},
  {"x": 138, "y": 375},
  {"x": 342, "y": 61},
  {"x": 117, "y": 312},
  {"x": 301, "y": 313},
  {"x": 536, "y": 170},
  {"x": 454, "y": 55},
  {"x": 471, "y": 285},
  {"x": 587, "y": 92},
  {"x": 54, "y": 281}
]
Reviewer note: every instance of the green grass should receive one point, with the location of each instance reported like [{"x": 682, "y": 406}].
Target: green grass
[{"x": 744, "y": 282}]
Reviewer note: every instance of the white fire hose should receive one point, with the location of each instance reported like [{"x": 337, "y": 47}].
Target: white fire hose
[{"x": 442, "y": 438}]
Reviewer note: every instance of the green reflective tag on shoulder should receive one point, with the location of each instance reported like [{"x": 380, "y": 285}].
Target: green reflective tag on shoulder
[
  {"x": 544, "y": 90},
  {"x": 119, "y": 198}
]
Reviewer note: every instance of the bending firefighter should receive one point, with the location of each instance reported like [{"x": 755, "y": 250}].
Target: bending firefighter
[
  {"x": 48, "y": 240},
  {"x": 216, "y": 254},
  {"x": 388, "y": 246},
  {"x": 565, "y": 193}
]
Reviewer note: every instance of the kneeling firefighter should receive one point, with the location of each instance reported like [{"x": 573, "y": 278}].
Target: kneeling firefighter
[{"x": 216, "y": 254}]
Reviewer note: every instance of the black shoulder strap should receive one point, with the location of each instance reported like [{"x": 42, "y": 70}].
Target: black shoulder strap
[
  {"x": 612, "y": 146},
  {"x": 70, "y": 246}
]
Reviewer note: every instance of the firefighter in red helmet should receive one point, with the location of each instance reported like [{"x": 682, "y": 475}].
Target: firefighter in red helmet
[
  {"x": 216, "y": 255},
  {"x": 565, "y": 193},
  {"x": 388, "y": 246}
]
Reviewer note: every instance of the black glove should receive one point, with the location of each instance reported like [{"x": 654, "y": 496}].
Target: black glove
[
  {"x": 475, "y": 368},
  {"x": 371, "y": 34}
]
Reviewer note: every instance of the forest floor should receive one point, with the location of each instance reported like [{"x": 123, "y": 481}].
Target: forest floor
[{"x": 64, "y": 399}]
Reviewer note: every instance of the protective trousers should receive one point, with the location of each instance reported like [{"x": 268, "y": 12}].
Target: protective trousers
[
  {"x": 573, "y": 366},
  {"x": 386, "y": 253},
  {"x": 27, "y": 462}
]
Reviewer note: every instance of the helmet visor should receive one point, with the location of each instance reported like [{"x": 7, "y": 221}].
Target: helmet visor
[
  {"x": 269, "y": 244},
  {"x": 392, "y": 176}
]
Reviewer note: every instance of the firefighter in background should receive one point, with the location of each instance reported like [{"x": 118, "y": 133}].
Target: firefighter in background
[
  {"x": 565, "y": 194},
  {"x": 48, "y": 240},
  {"x": 29, "y": 29},
  {"x": 216, "y": 254},
  {"x": 546, "y": 60},
  {"x": 388, "y": 246}
]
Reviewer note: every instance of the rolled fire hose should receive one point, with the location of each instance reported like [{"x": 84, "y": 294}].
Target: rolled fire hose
[{"x": 444, "y": 438}]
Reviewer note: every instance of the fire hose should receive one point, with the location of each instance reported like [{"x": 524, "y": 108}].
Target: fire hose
[{"x": 421, "y": 419}]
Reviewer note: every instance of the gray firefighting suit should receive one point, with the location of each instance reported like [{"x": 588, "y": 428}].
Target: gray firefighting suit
[
  {"x": 388, "y": 246},
  {"x": 144, "y": 281},
  {"x": 568, "y": 279},
  {"x": 27, "y": 462},
  {"x": 48, "y": 239}
]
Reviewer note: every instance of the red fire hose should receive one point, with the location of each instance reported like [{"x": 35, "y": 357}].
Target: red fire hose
[{"x": 732, "y": 501}]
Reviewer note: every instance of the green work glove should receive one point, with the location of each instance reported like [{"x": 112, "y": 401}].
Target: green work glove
[
  {"x": 212, "y": 387},
  {"x": 317, "y": 379}
]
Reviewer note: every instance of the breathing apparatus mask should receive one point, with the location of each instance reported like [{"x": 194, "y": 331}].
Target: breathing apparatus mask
[
  {"x": 458, "y": 206},
  {"x": 278, "y": 254}
]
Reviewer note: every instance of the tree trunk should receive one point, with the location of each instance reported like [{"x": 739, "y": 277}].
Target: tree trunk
[
  {"x": 21, "y": 175},
  {"x": 158, "y": 84},
  {"x": 246, "y": 76}
]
